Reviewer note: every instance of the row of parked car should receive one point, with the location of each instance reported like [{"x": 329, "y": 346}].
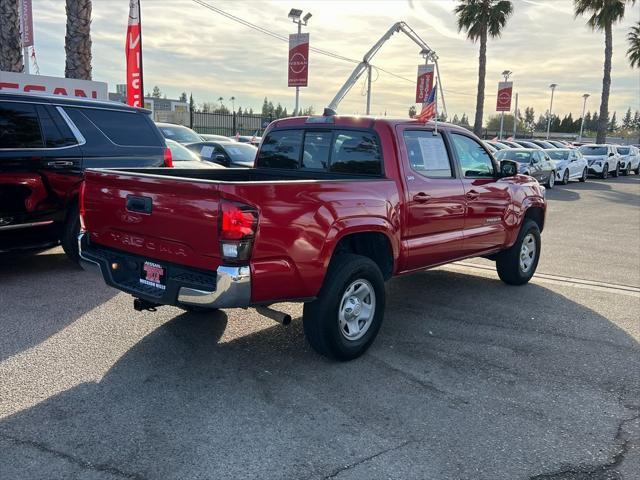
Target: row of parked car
[{"x": 551, "y": 161}]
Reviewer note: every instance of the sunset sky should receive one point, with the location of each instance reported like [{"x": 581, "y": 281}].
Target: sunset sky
[{"x": 189, "y": 48}]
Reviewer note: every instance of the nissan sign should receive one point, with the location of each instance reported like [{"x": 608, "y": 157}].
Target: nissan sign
[
  {"x": 11, "y": 82},
  {"x": 298, "y": 60},
  {"x": 504, "y": 96}
]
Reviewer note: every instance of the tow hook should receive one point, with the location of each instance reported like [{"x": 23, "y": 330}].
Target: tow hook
[
  {"x": 140, "y": 305},
  {"x": 280, "y": 317}
]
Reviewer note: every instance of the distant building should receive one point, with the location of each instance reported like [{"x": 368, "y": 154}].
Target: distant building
[{"x": 164, "y": 109}]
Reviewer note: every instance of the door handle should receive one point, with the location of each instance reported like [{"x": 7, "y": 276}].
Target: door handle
[
  {"x": 472, "y": 195},
  {"x": 60, "y": 164},
  {"x": 421, "y": 197}
]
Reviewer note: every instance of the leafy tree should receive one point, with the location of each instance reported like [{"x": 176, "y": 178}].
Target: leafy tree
[
  {"x": 250, "y": 111},
  {"x": 412, "y": 111},
  {"x": 481, "y": 19},
  {"x": 613, "y": 124},
  {"x": 636, "y": 120},
  {"x": 594, "y": 122},
  {"x": 587, "y": 121},
  {"x": 278, "y": 111},
  {"x": 206, "y": 107},
  {"x": 455, "y": 119},
  {"x": 493, "y": 125},
  {"x": 529, "y": 119},
  {"x": 239, "y": 110},
  {"x": 627, "y": 120},
  {"x": 464, "y": 121},
  {"x": 10, "y": 43},
  {"x": 183, "y": 97},
  {"x": 566, "y": 125},
  {"x": 602, "y": 15},
  {"x": 156, "y": 92},
  {"x": 541, "y": 124},
  {"x": 308, "y": 111},
  {"x": 442, "y": 117},
  {"x": 633, "y": 38},
  {"x": 77, "y": 41},
  {"x": 265, "y": 107},
  {"x": 192, "y": 104}
]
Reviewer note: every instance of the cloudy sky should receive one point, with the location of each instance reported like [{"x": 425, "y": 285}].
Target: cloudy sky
[{"x": 190, "y": 48}]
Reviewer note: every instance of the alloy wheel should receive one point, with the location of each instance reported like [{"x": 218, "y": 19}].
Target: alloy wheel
[{"x": 357, "y": 309}]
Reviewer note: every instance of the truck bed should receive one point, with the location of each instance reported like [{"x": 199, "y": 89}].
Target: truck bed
[{"x": 300, "y": 215}]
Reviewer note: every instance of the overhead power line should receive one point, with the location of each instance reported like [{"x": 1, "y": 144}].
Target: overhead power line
[{"x": 320, "y": 51}]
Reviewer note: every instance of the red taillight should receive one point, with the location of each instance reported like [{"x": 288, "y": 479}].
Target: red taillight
[
  {"x": 238, "y": 225},
  {"x": 81, "y": 210},
  {"x": 168, "y": 157}
]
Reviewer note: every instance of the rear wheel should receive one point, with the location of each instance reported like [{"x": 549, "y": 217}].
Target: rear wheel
[
  {"x": 517, "y": 264},
  {"x": 638, "y": 170},
  {"x": 70, "y": 235},
  {"x": 345, "y": 318},
  {"x": 565, "y": 177},
  {"x": 605, "y": 171},
  {"x": 583, "y": 178}
]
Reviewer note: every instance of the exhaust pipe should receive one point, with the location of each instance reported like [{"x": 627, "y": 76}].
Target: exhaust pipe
[
  {"x": 140, "y": 305},
  {"x": 280, "y": 317}
]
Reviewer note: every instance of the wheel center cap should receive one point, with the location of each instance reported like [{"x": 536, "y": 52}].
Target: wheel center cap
[{"x": 354, "y": 307}]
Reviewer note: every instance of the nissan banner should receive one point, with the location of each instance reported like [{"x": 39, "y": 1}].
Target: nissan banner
[
  {"x": 503, "y": 103},
  {"x": 425, "y": 82},
  {"x": 133, "y": 49},
  {"x": 298, "y": 59}
]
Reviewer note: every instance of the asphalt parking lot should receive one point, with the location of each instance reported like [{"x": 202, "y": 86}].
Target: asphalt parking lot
[{"x": 468, "y": 379}]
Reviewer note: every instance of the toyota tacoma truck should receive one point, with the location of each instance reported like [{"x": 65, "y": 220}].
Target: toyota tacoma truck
[{"x": 333, "y": 208}]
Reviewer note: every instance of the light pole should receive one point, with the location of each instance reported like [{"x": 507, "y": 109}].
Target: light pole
[
  {"x": 295, "y": 15},
  {"x": 506, "y": 75},
  {"x": 553, "y": 89},
  {"x": 233, "y": 104},
  {"x": 584, "y": 105}
]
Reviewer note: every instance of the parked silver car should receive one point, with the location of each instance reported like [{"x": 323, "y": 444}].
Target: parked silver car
[{"x": 570, "y": 164}]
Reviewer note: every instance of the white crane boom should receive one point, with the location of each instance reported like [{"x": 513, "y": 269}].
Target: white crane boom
[{"x": 364, "y": 65}]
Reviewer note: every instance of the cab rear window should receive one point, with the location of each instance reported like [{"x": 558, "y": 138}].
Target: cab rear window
[{"x": 335, "y": 151}]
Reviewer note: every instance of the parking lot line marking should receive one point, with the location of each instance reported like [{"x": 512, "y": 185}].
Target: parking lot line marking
[{"x": 572, "y": 281}]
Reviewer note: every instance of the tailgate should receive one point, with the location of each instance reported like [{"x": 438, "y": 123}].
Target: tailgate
[{"x": 163, "y": 218}]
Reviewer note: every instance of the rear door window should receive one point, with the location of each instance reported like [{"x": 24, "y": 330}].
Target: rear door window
[
  {"x": 124, "y": 128},
  {"x": 427, "y": 154},
  {"x": 356, "y": 152},
  {"x": 19, "y": 126},
  {"x": 56, "y": 134},
  {"x": 281, "y": 149}
]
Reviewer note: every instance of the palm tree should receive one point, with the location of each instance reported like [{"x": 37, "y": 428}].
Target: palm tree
[
  {"x": 77, "y": 42},
  {"x": 633, "y": 37},
  {"x": 602, "y": 15},
  {"x": 10, "y": 44},
  {"x": 481, "y": 19}
]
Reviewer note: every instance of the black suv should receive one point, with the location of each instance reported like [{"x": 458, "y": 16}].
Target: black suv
[{"x": 45, "y": 144}]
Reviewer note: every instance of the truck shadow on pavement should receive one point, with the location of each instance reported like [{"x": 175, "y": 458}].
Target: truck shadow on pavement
[
  {"x": 40, "y": 295},
  {"x": 468, "y": 378}
]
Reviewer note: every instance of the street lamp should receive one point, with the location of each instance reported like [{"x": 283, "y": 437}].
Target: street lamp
[
  {"x": 584, "y": 104},
  {"x": 506, "y": 74},
  {"x": 294, "y": 15},
  {"x": 553, "y": 89}
]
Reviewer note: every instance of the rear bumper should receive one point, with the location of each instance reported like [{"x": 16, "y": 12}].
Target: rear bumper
[{"x": 227, "y": 287}]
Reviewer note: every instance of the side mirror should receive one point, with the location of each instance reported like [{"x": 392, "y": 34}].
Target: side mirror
[
  {"x": 219, "y": 158},
  {"x": 508, "y": 168},
  {"x": 610, "y": 154}
]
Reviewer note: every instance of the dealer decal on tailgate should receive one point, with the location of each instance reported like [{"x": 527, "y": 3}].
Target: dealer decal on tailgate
[{"x": 153, "y": 275}]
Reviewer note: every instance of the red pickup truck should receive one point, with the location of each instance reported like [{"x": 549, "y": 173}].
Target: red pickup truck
[{"x": 333, "y": 207}]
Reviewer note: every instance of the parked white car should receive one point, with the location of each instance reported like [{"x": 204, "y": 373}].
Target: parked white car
[
  {"x": 602, "y": 159},
  {"x": 570, "y": 164},
  {"x": 629, "y": 159}
]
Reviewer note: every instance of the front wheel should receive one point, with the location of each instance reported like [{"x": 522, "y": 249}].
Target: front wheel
[
  {"x": 638, "y": 170},
  {"x": 517, "y": 264},
  {"x": 583, "y": 178},
  {"x": 626, "y": 171},
  {"x": 552, "y": 180},
  {"x": 565, "y": 177},
  {"x": 605, "y": 171},
  {"x": 343, "y": 321},
  {"x": 616, "y": 172}
]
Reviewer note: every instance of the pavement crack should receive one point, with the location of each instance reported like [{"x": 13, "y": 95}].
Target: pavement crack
[
  {"x": 338, "y": 471},
  {"x": 602, "y": 470},
  {"x": 96, "y": 467}
]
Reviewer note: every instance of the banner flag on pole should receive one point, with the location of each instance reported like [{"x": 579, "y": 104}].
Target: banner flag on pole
[
  {"x": 133, "y": 49},
  {"x": 298, "y": 75},
  {"x": 424, "y": 83},
  {"x": 503, "y": 104}
]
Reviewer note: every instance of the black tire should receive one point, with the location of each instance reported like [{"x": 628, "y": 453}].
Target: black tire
[
  {"x": 508, "y": 262},
  {"x": 605, "y": 171},
  {"x": 616, "y": 172},
  {"x": 583, "y": 178},
  {"x": 70, "y": 235},
  {"x": 565, "y": 178},
  {"x": 638, "y": 170},
  {"x": 626, "y": 171},
  {"x": 551, "y": 181},
  {"x": 320, "y": 317}
]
